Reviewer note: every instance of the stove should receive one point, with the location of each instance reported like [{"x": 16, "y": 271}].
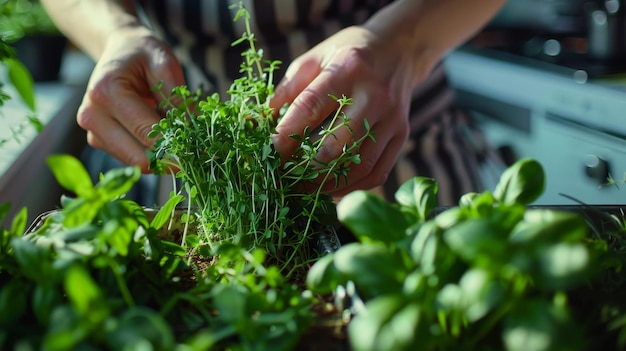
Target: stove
[{"x": 568, "y": 114}]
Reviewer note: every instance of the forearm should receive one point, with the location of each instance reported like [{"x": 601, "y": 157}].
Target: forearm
[
  {"x": 425, "y": 30},
  {"x": 88, "y": 23}
]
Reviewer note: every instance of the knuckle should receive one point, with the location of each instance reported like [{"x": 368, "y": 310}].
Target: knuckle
[
  {"x": 310, "y": 104},
  {"x": 99, "y": 93},
  {"x": 85, "y": 117},
  {"x": 141, "y": 131}
]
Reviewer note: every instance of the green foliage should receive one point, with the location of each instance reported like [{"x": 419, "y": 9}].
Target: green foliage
[
  {"x": 241, "y": 189},
  {"x": 102, "y": 274},
  {"x": 489, "y": 274},
  {"x": 19, "y": 18},
  {"x": 18, "y": 75}
]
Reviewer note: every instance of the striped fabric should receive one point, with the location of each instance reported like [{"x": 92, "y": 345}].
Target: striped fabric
[{"x": 201, "y": 31}]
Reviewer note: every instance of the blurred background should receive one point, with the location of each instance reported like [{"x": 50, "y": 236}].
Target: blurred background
[{"x": 545, "y": 79}]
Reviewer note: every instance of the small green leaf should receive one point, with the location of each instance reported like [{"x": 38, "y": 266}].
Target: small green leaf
[
  {"x": 477, "y": 238},
  {"x": 4, "y": 209},
  {"x": 117, "y": 182},
  {"x": 71, "y": 174},
  {"x": 418, "y": 194},
  {"x": 166, "y": 211},
  {"x": 20, "y": 78},
  {"x": 34, "y": 260},
  {"x": 18, "y": 226},
  {"x": 522, "y": 183},
  {"x": 118, "y": 236}
]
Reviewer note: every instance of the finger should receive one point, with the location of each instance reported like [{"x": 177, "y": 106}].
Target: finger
[
  {"x": 168, "y": 79},
  {"x": 366, "y": 176},
  {"x": 356, "y": 112},
  {"x": 129, "y": 109},
  {"x": 107, "y": 134},
  {"x": 309, "y": 109},
  {"x": 300, "y": 73}
]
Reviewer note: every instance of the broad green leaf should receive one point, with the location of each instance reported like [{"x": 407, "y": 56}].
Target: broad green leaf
[
  {"x": 450, "y": 217},
  {"x": 13, "y": 302},
  {"x": 480, "y": 293},
  {"x": 374, "y": 268},
  {"x": 81, "y": 233},
  {"x": 230, "y": 302},
  {"x": 85, "y": 295},
  {"x": 538, "y": 325},
  {"x": 20, "y": 78},
  {"x": 419, "y": 194},
  {"x": 476, "y": 239},
  {"x": 118, "y": 236},
  {"x": 18, "y": 226},
  {"x": 371, "y": 218},
  {"x": 45, "y": 298},
  {"x": 564, "y": 265},
  {"x": 323, "y": 277},
  {"x": 81, "y": 211},
  {"x": 530, "y": 329},
  {"x": 424, "y": 246},
  {"x": 430, "y": 253},
  {"x": 522, "y": 183},
  {"x": 34, "y": 260},
  {"x": 140, "y": 328},
  {"x": 549, "y": 226},
  {"x": 117, "y": 182},
  {"x": 71, "y": 174},
  {"x": 390, "y": 322}
]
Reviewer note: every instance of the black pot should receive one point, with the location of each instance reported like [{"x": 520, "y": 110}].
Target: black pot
[{"x": 42, "y": 55}]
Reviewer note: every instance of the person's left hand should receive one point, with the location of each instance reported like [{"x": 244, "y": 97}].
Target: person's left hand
[{"x": 378, "y": 76}]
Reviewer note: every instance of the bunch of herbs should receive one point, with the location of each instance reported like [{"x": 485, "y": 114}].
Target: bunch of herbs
[{"x": 240, "y": 189}]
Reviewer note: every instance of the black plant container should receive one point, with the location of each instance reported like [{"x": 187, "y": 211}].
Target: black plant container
[{"x": 42, "y": 55}]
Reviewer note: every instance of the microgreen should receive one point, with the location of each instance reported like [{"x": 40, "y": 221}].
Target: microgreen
[{"x": 241, "y": 191}]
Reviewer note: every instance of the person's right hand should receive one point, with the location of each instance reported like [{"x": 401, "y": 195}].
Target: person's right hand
[{"x": 119, "y": 107}]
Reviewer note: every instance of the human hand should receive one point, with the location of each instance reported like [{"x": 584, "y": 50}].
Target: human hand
[
  {"x": 118, "y": 109},
  {"x": 371, "y": 70}
]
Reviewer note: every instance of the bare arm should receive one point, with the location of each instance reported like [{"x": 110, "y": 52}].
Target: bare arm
[
  {"x": 118, "y": 109},
  {"x": 425, "y": 30},
  {"x": 377, "y": 64},
  {"x": 88, "y": 23}
]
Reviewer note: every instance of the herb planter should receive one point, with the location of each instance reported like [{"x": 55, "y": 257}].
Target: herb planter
[
  {"x": 323, "y": 324},
  {"x": 148, "y": 290}
]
